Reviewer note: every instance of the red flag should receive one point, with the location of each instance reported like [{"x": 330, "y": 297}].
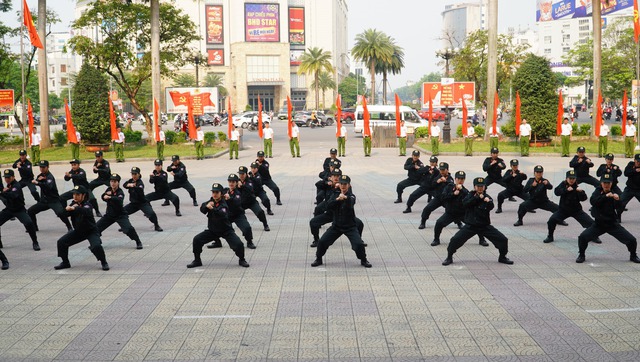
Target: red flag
[
  {"x": 338, "y": 116},
  {"x": 289, "y": 110},
  {"x": 156, "y": 117},
  {"x": 30, "y": 115},
  {"x": 366, "y": 117},
  {"x": 465, "y": 113},
  {"x": 193, "y": 134},
  {"x": 518, "y": 115},
  {"x": 27, "y": 20},
  {"x": 230, "y": 118},
  {"x": 179, "y": 99},
  {"x": 636, "y": 21},
  {"x": 398, "y": 115},
  {"x": 112, "y": 118},
  {"x": 598, "y": 115},
  {"x": 496, "y": 104},
  {"x": 71, "y": 129},
  {"x": 623, "y": 122},
  {"x": 560, "y": 114},
  {"x": 260, "y": 132}
]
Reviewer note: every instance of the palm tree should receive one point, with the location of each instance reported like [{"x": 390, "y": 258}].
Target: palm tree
[
  {"x": 184, "y": 80},
  {"x": 313, "y": 61},
  {"x": 325, "y": 81},
  {"x": 394, "y": 66},
  {"x": 214, "y": 80},
  {"x": 372, "y": 47}
]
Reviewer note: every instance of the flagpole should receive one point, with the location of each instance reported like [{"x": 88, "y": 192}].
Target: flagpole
[
  {"x": 637, "y": 94},
  {"x": 24, "y": 97}
]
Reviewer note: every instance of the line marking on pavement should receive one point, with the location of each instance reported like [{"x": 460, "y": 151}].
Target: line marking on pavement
[
  {"x": 231, "y": 316},
  {"x": 613, "y": 310}
]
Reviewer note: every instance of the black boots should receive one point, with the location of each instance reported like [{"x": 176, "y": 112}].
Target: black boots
[
  {"x": 365, "y": 263},
  {"x": 243, "y": 263},
  {"x": 36, "y": 246},
  {"x": 549, "y": 239},
  {"x": 317, "y": 262},
  {"x": 448, "y": 260},
  {"x": 63, "y": 265},
  {"x": 157, "y": 227},
  {"x": 407, "y": 210}
]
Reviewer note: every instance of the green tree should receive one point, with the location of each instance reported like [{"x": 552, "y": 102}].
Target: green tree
[
  {"x": 55, "y": 102},
  {"x": 184, "y": 80},
  {"x": 394, "y": 65},
  {"x": 123, "y": 24},
  {"x": 313, "y": 61},
  {"x": 372, "y": 47},
  {"x": 413, "y": 92},
  {"x": 214, "y": 80},
  {"x": 90, "y": 115},
  {"x": 325, "y": 81},
  {"x": 350, "y": 87},
  {"x": 537, "y": 86}
]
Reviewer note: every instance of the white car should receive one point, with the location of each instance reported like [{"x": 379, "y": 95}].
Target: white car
[{"x": 243, "y": 120}]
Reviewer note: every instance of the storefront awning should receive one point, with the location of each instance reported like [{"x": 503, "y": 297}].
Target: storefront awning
[{"x": 266, "y": 82}]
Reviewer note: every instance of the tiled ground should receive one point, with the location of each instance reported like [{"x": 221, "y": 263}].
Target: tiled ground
[{"x": 408, "y": 307}]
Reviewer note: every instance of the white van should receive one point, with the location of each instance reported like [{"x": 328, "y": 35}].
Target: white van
[{"x": 386, "y": 115}]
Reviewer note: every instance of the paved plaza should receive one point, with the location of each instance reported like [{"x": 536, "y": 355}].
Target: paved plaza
[{"x": 408, "y": 307}]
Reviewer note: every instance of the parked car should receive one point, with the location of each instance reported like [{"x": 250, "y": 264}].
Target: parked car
[
  {"x": 303, "y": 118},
  {"x": 243, "y": 120},
  {"x": 437, "y": 115},
  {"x": 348, "y": 115},
  {"x": 282, "y": 114}
]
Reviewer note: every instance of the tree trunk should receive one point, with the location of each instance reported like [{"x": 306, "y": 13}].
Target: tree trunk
[
  {"x": 315, "y": 77},
  {"x": 155, "y": 65},
  {"x": 492, "y": 46},
  {"x": 324, "y": 100},
  {"x": 42, "y": 75},
  {"x": 597, "y": 60},
  {"x": 384, "y": 87},
  {"x": 372, "y": 70}
]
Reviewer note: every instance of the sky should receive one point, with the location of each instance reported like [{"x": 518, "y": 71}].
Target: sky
[{"x": 415, "y": 24}]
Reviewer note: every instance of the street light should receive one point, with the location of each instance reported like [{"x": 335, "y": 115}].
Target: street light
[
  {"x": 447, "y": 54},
  {"x": 197, "y": 59}
]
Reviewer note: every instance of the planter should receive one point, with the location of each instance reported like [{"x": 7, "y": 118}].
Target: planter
[{"x": 104, "y": 147}]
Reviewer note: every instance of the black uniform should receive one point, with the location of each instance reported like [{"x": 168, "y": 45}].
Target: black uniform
[
  {"x": 26, "y": 176},
  {"x": 413, "y": 177},
  {"x": 427, "y": 175},
  {"x": 116, "y": 214},
  {"x": 259, "y": 191},
  {"x": 512, "y": 181},
  {"x": 614, "y": 171},
  {"x": 536, "y": 198},
  {"x": 49, "y": 199},
  {"x": 137, "y": 201},
  {"x": 79, "y": 178},
  {"x": 267, "y": 180},
  {"x": 438, "y": 187},
  {"x": 14, "y": 199},
  {"x": 248, "y": 201},
  {"x": 494, "y": 171},
  {"x": 632, "y": 189},
  {"x": 218, "y": 226},
  {"x": 103, "y": 170},
  {"x": 180, "y": 180},
  {"x": 581, "y": 166},
  {"x": 327, "y": 163},
  {"x": 160, "y": 182},
  {"x": 603, "y": 211},
  {"x": 237, "y": 216},
  {"x": 84, "y": 229},
  {"x": 453, "y": 211},
  {"x": 570, "y": 206},
  {"x": 322, "y": 215}
]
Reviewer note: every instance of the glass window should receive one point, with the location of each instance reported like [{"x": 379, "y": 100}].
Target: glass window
[
  {"x": 63, "y": 81},
  {"x": 547, "y": 39},
  {"x": 63, "y": 68},
  {"x": 263, "y": 68}
]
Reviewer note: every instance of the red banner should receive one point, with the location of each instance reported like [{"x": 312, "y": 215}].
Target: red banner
[
  {"x": 496, "y": 104},
  {"x": 338, "y": 115},
  {"x": 289, "y": 120},
  {"x": 464, "y": 119},
  {"x": 71, "y": 129},
  {"x": 448, "y": 95},
  {"x": 215, "y": 56},
  {"x": 230, "y": 120},
  {"x": 636, "y": 21},
  {"x": 625, "y": 101},
  {"x": 193, "y": 134},
  {"x": 260, "y": 132},
  {"x": 296, "y": 26},
  {"x": 6, "y": 102},
  {"x": 30, "y": 115},
  {"x": 215, "y": 29},
  {"x": 31, "y": 28},
  {"x": 398, "y": 115},
  {"x": 112, "y": 119},
  {"x": 366, "y": 131}
]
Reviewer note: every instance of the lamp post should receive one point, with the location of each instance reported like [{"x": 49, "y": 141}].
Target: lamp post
[
  {"x": 197, "y": 59},
  {"x": 447, "y": 54}
]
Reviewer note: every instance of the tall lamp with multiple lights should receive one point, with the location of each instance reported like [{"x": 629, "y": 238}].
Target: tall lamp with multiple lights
[{"x": 447, "y": 54}]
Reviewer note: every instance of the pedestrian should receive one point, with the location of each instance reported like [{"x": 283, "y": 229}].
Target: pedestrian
[
  {"x": 571, "y": 196},
  {"x": 512, "y": 180},
  {"x": 49, "y": 197},
  {"x": 612, "y": 169},
  {"x": 366, "y": 140},
  {"x": 75, "y": 146},
  {"x": 118, "y": 145},
  {"x": 581, "y": 164},
  {"x": 566, "y": 132},
  {"x": 233, "y": 142},
  {"x": 160, "y": 181},
  {"x": 632, "y": 189},
  {"x": 294, "y": 140},
  {"x": 412, "y": 165},
  {"x": 114, "y": 197},
  {"x": 25, "y": 168},
  {"x": 200, "y": 143},
  {"x": 341, "y": 134},
  {"x": 493, "y": 166},
  {"x": 267, "y": 133},
  {"x": 160, "y": 144},
  {"x": 137, "y": 200},
  {"x": 218, "y": 226},
  {"x": 468, "y": 140},
  {"x": 35, "y": 146},
  {"x": 536, "y": 190},
  {"x": 248, "y": 197},
  {"x": 603, "y": 140},
  {"x": 603, "y": 208},
  {"x": 11, "y": 195},
  {"x": 180, "y": 179},
  {"x": 630, "y": 139},
  {"x": 436, "y": 137},
  {"x": 344, "y": 223},
  {"x": 439, "y": 184},
  {"x": 263, "y": 169},
  {"x": 477, "y": 219},
  {"x": 258, "y": 188},
  {"x": 427, "y": 175},
  {"x": 494, "y": 138},
  {"x": 402, "y": 139},
  {"x": 84, "y": 228},
  {"x": 79, "y": 178},
  {"x": 525, "y": 138}
]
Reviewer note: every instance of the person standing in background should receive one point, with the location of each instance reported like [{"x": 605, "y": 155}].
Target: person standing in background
[
  {"x": 565, "y": 134},
  {"x": 160, "y": 144},
  {"x": 268, "y": 140},
  {"x": 35, "y": 146},
  {"x": 75, "y": 147},
  {"x": 119, "y": 145},
  {"x": 525, "y": 137},
  {"x": 233, "y": 142},
  {"x": 342, "y": 140},
  {"x": 200, "y": 143},
  {"x": 402, "y": 139}
]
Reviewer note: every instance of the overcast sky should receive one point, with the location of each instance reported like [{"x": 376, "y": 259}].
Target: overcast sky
[{"x": 415, "y": 24}]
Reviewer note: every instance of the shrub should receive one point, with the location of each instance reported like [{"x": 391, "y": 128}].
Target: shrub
[
  {"x": 170, "y": 137},
  {"x": 574, "y": 129},
  {"x": 509, "y": 129},
  {"x": 133, "y": 136},
  {"x": 181, "y": 137},
  {"x": 60, "y": 138},
  {"x": 459, "y": 131},
  {"x": 9, "y": 140},
  {"x": 421, "y": 132},
  {"x": 479, "y": 130},
  {"x": 585, "y": 129},
  {"x": 209, "y": 137},
  {"x": 222, "y": 137},
  {"x": 90, "y": 105},
  {"x": 616, "y": 130}
]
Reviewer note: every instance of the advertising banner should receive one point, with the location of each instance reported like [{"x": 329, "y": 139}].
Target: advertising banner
[
  {"x": 205, "y": 100},
  {"x": 635, "y": 91},
  {"x": 448, "y": 93},
  {"x": 6, "y": 102},
  {"x": 215, "y": 56},
  {"x": 262, "y": 22},
  {"x": 547, "y": 10},
  {"x": 215, "y": 33},
  {"x": 296, "y": 26},
  {"x": 294, "y": 56}
]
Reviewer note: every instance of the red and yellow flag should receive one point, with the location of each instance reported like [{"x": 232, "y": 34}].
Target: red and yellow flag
[
  {"x": 30, "y": 115},
  {"x": 71, "y": 129},
  {"x": 112, "y": 119},
  {"x": 193, "y": 134},
  {"x": 366, "y": 117},
  {"x": 156, "y": 118},
  {"x": 560, "y": 114},
  {"x": 623, "y": 122},
  {"x": 289, "y": 120},
  {"x": 518, "y": 115},
  {"x": 465, "y": 113},
  {"x": 339, "y": 116},
  {"x": 398, "y": 115},
  {"x": 27, "y": 20},
  {"x": 260, "y": 132},
  {"x": 636, "y": 21},
  {"x": 494, "y": 122}
]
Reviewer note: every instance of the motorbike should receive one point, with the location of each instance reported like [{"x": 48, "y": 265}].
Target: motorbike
[{"x": 316, "y": 123}]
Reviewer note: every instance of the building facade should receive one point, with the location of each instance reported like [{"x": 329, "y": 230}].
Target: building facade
[
  {"x": 61, "y": 64},
  {"x": 459, "y": 20}
]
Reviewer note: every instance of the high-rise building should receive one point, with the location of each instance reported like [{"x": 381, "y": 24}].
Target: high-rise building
[
  {"x": 459, "y": 20},
  {"x": 61, "y": 63}
]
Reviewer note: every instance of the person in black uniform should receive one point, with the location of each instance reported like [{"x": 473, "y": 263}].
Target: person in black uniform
[
  {"x": 254, "y": 175},
  {"x": 603, "y": 202},
  {"x": 412, "y": 165},
  {"x": 452, "y": 197},
  {"x": 85, "y": 228},
  {"x": 160, "y": 181},
  {"x": 26, "y": 174},
  {"x": 324, "y": 176},
  {"x": 137, "y": 200},
  {"x": 512, "y": 180},
  {"x": 333, "y": 156},
  {"x": 632, "y": 189},
  {"x": 114, "y": 197},
  {"x": 79, "y": 178},
  {"x": 438, "y": 185},
  {"x": 494, "y": 166},
  {"x": 218, "y": 226},
  {"x": 180, "y": 179},
  {"x": 102, "y": 168},
  {"x": 263, "y": 168},
  {"x": 581, "y": 164},
  {"x": 233, "y": 197},
  {"x": 536, "y": 190},
  {"x": 570, "y": 197},
  {"x": 612, "y": 169},
  {"x": 49, "y": 197},
  {"x": 344, "y": 223},
  {"x": 4, "y": 260},
  {"x": 477, "y": 219},
  {"x": 248, "y": 197},
  {"x": 427, "y": 176},
  {"x": 12, "y": 196}
]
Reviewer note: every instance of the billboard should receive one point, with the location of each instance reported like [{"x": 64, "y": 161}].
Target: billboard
[
  {"x": 205, "y": 100},
  {"x": 296, "y": 26},
  {"x": 294, "y": 56},
  {"x": 215, "y": 56},
  {"x": 547, "y": 10},
  {"x": 215, "y": 33},
  {"x": 6, "y": 102},
  {"x": 448, "y": 93},
  {"x": 261, "y": 22}
]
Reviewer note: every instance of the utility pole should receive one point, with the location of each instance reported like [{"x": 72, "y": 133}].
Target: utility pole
[
  {"x": 597, "y": 58},
  {"x": 156, "y": 88},
  {"x": 42, "y": 75},
  {"x": 492, "y": 63}
]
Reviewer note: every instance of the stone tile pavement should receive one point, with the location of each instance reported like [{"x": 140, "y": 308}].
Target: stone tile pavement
[{"x": 408, "y": 307}]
